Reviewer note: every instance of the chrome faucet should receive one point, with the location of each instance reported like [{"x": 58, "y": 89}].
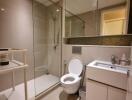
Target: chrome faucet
[{"x": 113, "y": 59}]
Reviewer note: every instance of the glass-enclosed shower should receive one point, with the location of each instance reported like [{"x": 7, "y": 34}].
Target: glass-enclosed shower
[{"x": 47, "y": 44}]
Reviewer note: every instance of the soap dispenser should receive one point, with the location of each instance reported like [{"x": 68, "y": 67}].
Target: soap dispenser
[{"x": 124, "y": 61}]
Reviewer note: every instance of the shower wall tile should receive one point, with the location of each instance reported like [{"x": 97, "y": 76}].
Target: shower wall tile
[
  {"x": 54, "y": 34},
  {"x": 40, "y": 34}
]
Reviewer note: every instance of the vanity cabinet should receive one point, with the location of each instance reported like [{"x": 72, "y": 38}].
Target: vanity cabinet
[
  {"x": 99, "y": 91},
  {"x": 116, "y": 94},
  {"x": 96, "y": 91}
]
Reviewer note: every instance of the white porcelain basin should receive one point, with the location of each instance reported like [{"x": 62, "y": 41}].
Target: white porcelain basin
[
  {"x": 107, "y": 73},
  {"x": 109, "y": 66}
]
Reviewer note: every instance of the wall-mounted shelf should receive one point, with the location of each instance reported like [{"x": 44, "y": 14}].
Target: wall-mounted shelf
[{"x": 117, "y": 40}]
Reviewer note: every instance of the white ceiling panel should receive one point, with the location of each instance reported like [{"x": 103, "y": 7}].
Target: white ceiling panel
[
  {"x": 47, "y": 2},
  {"x": 82, "y": 6},
  {"x": 107, "y": 3}
]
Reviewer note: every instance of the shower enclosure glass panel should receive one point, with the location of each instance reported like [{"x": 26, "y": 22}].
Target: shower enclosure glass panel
[{"x": 47, "y": 44}]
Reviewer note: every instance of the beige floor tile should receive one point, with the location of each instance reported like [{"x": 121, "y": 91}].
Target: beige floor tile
[{"x": 59, "y": 94}]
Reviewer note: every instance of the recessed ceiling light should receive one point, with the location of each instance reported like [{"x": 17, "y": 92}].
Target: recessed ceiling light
[
  {"x": 57, "y": 10},
  {"x": 2, "y": 9}
]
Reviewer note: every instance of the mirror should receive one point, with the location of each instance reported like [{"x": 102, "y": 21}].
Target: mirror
[
  {"x": 74, "y": 25},
  {"x": 92, "y": 18},
  {"x": 113, "y": 16}
]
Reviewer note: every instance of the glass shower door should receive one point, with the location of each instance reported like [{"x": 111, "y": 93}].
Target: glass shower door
[{"x": 47, "y": 44}]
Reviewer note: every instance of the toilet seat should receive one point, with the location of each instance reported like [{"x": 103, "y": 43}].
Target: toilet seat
[
  {"x": 75, "y": 67},
  {"x": 71, "y": 82},
  {"x": 70, "y": 79}
]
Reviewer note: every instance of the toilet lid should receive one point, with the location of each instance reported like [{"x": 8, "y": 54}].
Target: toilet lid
[{"x": 75, "y": 67}]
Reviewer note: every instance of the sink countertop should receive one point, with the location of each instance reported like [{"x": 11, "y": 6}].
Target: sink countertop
[
  {"x": 124, "y": 71},
  {"x": 104, "y": 72}
]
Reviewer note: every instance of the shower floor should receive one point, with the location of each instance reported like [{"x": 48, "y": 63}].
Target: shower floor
[{"x": 42, "y": 83}]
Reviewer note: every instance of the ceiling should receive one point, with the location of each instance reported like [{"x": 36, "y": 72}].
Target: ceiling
[
  {"x": 47, "y": 2},
  {"x": 82, "y": 6}
]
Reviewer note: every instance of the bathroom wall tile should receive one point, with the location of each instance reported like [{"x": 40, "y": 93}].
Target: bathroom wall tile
[
  {"x": 90, "y": 53},
  {"x": 54, "y": 40},
  {"x": 40, "y": 34}
]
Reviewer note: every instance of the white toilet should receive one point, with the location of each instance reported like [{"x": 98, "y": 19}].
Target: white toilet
[{"x": 71, "y": 82}]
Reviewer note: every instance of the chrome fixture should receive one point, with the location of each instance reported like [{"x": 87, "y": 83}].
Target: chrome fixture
[{"x": 113, "y": 59}]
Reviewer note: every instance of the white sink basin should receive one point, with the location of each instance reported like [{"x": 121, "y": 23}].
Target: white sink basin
[
  {"x": 107, "y": 73},
  {"x": 109, "y": 66}
]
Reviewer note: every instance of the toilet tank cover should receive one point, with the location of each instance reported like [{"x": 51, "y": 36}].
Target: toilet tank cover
[{"x": 75, "y": 67}]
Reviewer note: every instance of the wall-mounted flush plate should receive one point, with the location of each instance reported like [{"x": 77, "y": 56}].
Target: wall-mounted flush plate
[{"x": 76, "y": 50}]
